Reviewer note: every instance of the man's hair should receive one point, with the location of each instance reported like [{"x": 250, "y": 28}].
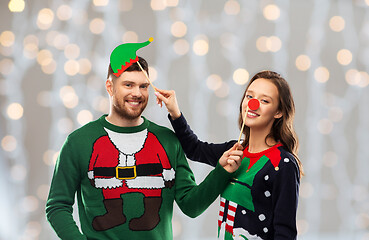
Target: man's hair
[{"x": 132, "y": 68}]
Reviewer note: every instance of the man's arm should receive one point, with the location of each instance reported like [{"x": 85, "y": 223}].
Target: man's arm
[
  {"x": 59, "y": 206},
  {"x": 194, "y": 199}
]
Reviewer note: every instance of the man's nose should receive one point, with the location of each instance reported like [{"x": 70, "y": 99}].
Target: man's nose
[{"x": 136, "y": 91}]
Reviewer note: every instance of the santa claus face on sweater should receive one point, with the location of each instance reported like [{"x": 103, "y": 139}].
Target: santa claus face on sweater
[{"x": 129, "y": 94}]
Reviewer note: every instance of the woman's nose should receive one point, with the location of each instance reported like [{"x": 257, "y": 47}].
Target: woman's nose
[{"x": 253, "y": 104}]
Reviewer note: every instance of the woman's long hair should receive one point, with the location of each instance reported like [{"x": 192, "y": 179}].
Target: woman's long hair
[{"x": 282, "y": 128}]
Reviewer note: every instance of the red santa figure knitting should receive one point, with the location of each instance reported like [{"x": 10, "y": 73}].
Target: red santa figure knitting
[{"x": 133, "y": 163}]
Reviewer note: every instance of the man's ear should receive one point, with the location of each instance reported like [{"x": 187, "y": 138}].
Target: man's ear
[
  {"x": 109, "y": 87},
  {"x": 278, "y": 115}
]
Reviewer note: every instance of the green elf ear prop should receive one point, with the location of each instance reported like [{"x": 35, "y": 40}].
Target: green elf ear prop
[{"x": 124, "y": 56}]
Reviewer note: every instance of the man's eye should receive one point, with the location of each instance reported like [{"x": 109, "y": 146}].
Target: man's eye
[{"x": 248, "y": 96}]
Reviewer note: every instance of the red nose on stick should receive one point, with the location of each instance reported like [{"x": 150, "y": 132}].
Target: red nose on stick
[{"x": 254, "y": 104}]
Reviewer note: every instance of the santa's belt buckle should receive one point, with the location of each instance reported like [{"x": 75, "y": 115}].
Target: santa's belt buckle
[{"x": 124, "y": 173}]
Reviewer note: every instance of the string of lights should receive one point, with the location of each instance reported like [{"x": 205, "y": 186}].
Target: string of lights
[{"x": 53, "y": 64}]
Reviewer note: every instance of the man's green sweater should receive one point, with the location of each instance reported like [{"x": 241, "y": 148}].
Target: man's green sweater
[{"x": 126, "y": 180}]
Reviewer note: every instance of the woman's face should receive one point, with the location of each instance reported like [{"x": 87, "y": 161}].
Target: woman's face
[{"x": 267, "y": 94}]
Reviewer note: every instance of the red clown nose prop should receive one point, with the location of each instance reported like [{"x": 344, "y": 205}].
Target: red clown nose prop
[{"x": 254, "y": 104}]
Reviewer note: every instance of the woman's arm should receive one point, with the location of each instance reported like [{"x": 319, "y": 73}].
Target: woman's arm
[
  {"x": 194, "y": 148},
  {"x": 285, "y": 199}
]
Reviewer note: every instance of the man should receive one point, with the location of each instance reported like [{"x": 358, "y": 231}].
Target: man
[{"x": 127, "y": 171}]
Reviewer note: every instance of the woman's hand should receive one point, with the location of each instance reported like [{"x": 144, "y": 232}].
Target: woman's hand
[
  {"x": 231, "y": 159},
  {"x": 170, "y": 101}
]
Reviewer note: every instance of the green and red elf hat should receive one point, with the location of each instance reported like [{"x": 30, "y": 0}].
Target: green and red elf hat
[{"x": 124, "y": 56}]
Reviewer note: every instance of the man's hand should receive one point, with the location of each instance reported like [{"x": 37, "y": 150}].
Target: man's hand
[
  {"x": 231, "y": 159},
  {"x": 170, "y": 101}
]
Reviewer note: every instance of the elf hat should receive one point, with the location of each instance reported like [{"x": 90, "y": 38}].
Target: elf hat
[{"x": 124, "y": 56}]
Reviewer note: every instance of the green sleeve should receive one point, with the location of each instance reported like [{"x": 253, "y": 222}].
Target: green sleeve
[
  {"x": 64, "y": 184},
  {"x": 194, "y": 199}
]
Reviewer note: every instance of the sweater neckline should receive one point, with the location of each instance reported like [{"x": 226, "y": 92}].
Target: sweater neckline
[
  {"x": 119, "y": 129},
  {"x": 259, "y": 154}
]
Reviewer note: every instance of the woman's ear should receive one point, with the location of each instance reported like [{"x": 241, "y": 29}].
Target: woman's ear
[
  {"x": 278, "y": 115},
  {"x": 109, "y": 87}
]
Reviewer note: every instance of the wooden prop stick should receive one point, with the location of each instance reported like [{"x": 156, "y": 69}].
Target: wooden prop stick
[
  {"x": 253, "y": 104},
  {"x": 147, "y": 77},
  {"x": 244, "y": 118}
]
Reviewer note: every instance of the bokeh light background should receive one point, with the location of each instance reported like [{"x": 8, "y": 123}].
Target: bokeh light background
[{"x": 53, "y": 63}]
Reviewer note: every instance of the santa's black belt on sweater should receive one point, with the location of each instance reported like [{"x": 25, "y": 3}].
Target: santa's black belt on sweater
[{"x": 129, "y": 172}]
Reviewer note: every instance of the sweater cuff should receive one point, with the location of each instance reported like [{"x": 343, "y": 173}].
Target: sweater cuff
[{"x": 219, "y": 170}]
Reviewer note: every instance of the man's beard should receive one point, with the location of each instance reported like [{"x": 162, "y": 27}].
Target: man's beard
[{"x": 128, "y": 114}]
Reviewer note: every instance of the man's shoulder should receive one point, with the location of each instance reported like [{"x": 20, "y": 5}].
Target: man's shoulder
[
  {"x": 156, "y": 128},
  {"x": 162, "y": 132},
  {"x": 85, "y": 130}
]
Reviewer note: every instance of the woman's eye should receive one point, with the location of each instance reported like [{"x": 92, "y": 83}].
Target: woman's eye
[
  {"x": 248, "y": 96},
  {"x": 265, "y": 101}
]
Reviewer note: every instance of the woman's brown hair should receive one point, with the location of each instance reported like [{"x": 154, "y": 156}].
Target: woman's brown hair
[{"x": 282, "y": 129}]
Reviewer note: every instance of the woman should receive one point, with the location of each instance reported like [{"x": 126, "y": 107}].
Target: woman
[{"x": 261, "y": 201}]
